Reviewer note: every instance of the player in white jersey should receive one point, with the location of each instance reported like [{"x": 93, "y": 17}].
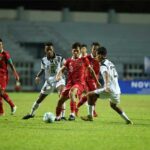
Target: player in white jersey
[
  {"x": 50, "y": 65},
  {"x": 110, "y": 89}
]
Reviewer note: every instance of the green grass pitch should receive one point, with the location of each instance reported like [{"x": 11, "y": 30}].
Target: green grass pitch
[{"x": 107, "y": 132}]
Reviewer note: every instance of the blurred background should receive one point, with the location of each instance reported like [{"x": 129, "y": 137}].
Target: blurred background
[{"x": 122, "y": 26}]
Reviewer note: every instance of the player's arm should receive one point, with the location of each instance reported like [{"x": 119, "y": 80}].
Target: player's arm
[
  {"x": 37, "y": 78},
  {"x": 60, "y": 72},
  {"x": 106, "y": 79},
  {"x": 94, "y": 75},
  {"x": 13, "y": 69}
]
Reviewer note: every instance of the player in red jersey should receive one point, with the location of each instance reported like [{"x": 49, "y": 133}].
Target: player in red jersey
[
  {"x": 76, "y": 80},
  {"x": 6, "y": 60},
  {"x": 90, "y": 81}
]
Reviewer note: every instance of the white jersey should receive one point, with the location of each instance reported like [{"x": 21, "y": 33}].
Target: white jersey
[
  {"x": 109, "y": 67},
  {"x": 52, "y": 66}
]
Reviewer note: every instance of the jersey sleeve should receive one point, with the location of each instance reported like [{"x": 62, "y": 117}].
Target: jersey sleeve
[{"x": 7, "y": 56}]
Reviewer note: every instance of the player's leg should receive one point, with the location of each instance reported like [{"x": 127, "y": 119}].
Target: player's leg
[
  {"x": 10, "y": 102},
  {"x": 59, "y": 107},
  {"x": 1, "y": 102},
  {"x": 46, "y": 89},
  {"x": 3, "y": 84},
  {"x": 73, "y": 98},
  {"x": 92, "y": 98},
  {"x": 91, "y": 86},
  {"x": 80, "y": 103},
  {"x": 1, "y": 107},
  {"x": 35, "y": 106},
  {"x": 60, "y": 86},
  {"x": 115, "y": 99}
]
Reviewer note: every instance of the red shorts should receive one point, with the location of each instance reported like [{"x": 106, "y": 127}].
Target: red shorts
[
  {"x": 91, "y": 85},
  {"x": 3, "y": 81},
  {"x": 67, "y": 88}
]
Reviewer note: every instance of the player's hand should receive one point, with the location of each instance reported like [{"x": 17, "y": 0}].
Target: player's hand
[
  {"x": 37, "y": 80},
  {"x": 18, "y": 85},
  {"x": 58, "y": 77}
]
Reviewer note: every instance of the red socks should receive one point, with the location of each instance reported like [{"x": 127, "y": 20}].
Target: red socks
[{"x": 8, "y": 100}]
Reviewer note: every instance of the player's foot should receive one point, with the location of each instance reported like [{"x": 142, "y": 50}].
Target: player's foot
[
  {"x": 76, "y": 112},
  {"x": 71, "y": 118},
  {"x": 63, "y": 118},
  {"x": 13, "y": 110},
  {"x": 129, "y": 122},
  {"x": 28, "y": 116},
  {"x": 87, "y": 118},
  {"x": 57, "y": 119},
  {"x": 95, "y": 114}
]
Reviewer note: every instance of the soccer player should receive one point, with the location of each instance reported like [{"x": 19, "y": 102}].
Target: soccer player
[
  {"x": 90, "y": 81},
  {"x": 50, "y": 65},
  {"x": 6, "y": 60},
  {"x": 76, "y": 67},
  {"x": 110, "y": 89}
]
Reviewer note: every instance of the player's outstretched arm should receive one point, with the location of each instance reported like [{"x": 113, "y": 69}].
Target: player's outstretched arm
[
  {"x": 94, "y": 75},
  {"x": 106, "y": 79},
  {"x": 14, "y": 70},
  {"x": 37, "y": 78}
]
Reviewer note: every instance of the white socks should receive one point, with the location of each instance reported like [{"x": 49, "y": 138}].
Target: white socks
[{"x": 34, "y": 107}]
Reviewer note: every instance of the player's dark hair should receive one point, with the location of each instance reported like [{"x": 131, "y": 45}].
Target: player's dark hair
[
  {"x": 1, "y": 40},
  {"x": 96, "y": 44},
  {"x": 76, "y": 45},
  {"x": 49, "y": 44},
  {"x": 102, "y": 51},
  {"x": 83, "y": 45}
]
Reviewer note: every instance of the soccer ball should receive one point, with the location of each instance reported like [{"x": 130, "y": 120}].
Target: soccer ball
[{"x": 49, "y": 117}]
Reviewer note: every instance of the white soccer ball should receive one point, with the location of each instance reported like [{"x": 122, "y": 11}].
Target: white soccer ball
[{"x": 49, "y": 117}]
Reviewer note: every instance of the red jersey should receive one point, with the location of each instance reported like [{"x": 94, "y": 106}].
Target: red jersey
[
  {"x": 95, "y": 65},
  {"x": 4, "y": 57},
  {"x": 76, "y": 69}
]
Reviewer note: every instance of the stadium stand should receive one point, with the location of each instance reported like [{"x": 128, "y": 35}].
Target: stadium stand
[{"x": 127, "y": 44}]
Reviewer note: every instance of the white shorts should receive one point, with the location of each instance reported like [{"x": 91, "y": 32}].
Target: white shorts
[
  {"x": 113, "y": 97},
  {"x": 50, "y": 85}
]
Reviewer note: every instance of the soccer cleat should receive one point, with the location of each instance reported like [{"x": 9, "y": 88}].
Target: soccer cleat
[
  {"x": 71, "y": 118},
  {"x": 13, "y": 110},
  {"x": 63, "y": 118},
  {"x": 87, "y": 118},
  {"x": 57, "y": 119},
  {"x": 28, "y": 116},
  {"x": 129, "y": 122},
  {"x": 77, "y": 112}
]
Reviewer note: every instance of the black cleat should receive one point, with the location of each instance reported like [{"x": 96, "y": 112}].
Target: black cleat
[
  {"x": 129, "y": 122},
  {"x": 63, "y": 118},
  {"x": 57, "y": 119},
  {"x": 28, "y": 116},
  {"x": 71, "y": 118}
]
